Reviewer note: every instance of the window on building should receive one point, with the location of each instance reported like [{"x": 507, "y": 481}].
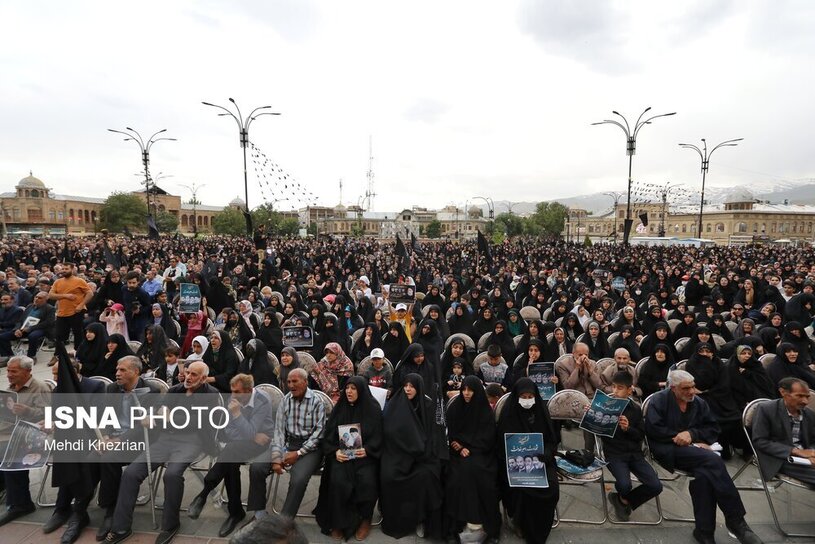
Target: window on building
[
  {"x": 709, "y": 227},
  {"x": 35, "y": 193},
  {"x": 719, "y": 227},
  {"x": 183, "y": 220},
  {"x": 684, "y": 228},
  {"x": 200, "y": 221},
  {"x": 34, "y": 214},
  {"x": 206, "y": 220},
  {"x": 755, "y": 227},
  {"x": 93, "y": 216},
  {"x": 741, "y": 227},
  {"x": 87, "y": 216},
  {"x": 52, "y": 215},
  {"x": 61, "y": 215}
]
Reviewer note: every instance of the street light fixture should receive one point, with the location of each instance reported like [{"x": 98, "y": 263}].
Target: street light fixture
[
  {"x": 616, "y": 196},
  {"x": 194, "y": 188},
  {"x": 133, "y": 135},
  {"x": 705, "y": 156},
  {"x": 630, "y": 150},
  {"x": 243, "y": 129}
]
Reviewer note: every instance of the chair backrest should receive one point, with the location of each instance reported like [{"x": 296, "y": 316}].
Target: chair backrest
[
  {"x": 307, "y": 362},
  {"x": 468, "y": 342},
  {"x": 210, "y": 313},
  {"x": 134, "y": 345},
  {"x": 275, "y": 394},
  {"x": 357, "y": 334},
  {"x": 639, "y": 365},
  {"x": 104, "y": 379},
  {"x": 612, "y": 337},
  {"x": 450, "y": 401},
  {"x": 681, "y": 364},
  {"x": 673, "y": 324},
  {"x": 517, "y": 339},
  {"x": 51, "y": 384},
  {"x": 559, "y": 321},
  {"x": 177, "y": 327},
  {"x": 646, "y": 403},
  {"x": 568, "y": 404},
  {"x": 365, "y": 364},
  {"x": 327, "y": 403},
  {"x": 581, "y": 339},
  {"x": 549, "y": 336},
  {"x": 530, "y": 313},
  {"x": 562, "y": 358},
  {"x": 766, "y": 359},
  {"x": 499, "y": 406},
  {"x": 749, "y": 413},
  {"x": 483, "y": 358},
  {"x": 731, "y": 326},
  {"x": 449, "y": 313},
  {"x": 681, "y": 343},
  {"x": 809, "y": 330},
  {"x": 718, "y": 341},
  {"x": 240, "y": 355},
  {"x": 173, "y": 343},
  {"x": 482, "y": 342},
  {"x": 273, "y": 361},
  {"x": 547, "y": 313},
  {"x": 604, "y": 363},
  {"x": 160, "y": 384}
]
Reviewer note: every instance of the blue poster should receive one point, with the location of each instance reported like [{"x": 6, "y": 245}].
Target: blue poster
[
  {"x": 541, "y": 374},
  {"x": 603, "y": 415},
  {"x": 524, "y": 467},
  {"x": 189, "y": 300}
]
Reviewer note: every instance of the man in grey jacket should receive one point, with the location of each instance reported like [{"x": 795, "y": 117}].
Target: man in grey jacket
[
  {"x": 784, "y": 429},
  {"x": 247, "y": 435}
]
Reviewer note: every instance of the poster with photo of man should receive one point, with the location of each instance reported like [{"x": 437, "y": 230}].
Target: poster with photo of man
[
  {"x": 26, "y": 448},
  {"x": 603, "y": 415},
  {"x": 523, "y": 453}
]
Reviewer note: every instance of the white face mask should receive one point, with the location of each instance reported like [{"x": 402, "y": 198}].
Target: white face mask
[{"x": 526, "y": 404}]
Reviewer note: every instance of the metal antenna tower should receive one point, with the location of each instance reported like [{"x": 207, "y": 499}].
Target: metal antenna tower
[{"x": 369, "y": 192}]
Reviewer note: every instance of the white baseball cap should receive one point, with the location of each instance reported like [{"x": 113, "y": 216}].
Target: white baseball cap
[
  {"x": 401, "y": 306},
  {"x": 377, "y": 353}
]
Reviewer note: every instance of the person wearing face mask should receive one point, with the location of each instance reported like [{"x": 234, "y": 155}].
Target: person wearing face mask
[{"x": 532, "y": 510}]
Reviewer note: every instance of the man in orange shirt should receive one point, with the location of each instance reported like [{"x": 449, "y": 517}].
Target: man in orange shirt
[{"x": 72, "y": 294}]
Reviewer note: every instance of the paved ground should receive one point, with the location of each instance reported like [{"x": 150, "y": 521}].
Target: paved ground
[{"x": 795, "y": 508}]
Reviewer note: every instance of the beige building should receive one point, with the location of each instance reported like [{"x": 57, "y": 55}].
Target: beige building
[
  {"x": 456, "y": 223},
  {"x": 741, "y": 219},
  {"x": 33, "y": 208}
]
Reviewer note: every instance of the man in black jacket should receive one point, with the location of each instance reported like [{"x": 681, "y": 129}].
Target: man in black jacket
[
  {"x": 177, "y": 447},
  {"x": 623, "y": 452},
  {"x": 783, "y": 429},
  {"x": 35, "y": 323},
  {"x": 681, "y": 430},
  {"x": 10, "y": 315}
]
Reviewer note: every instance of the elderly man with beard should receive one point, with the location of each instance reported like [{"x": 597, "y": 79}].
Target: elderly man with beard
[
  {"x": 177, "y": 449},
  {"x": 681, "y": 429}
]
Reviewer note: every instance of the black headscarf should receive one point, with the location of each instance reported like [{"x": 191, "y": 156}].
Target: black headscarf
[
  {"x": 782, "y": 368},
  {"x": 748, "y": 381},
  {"x": 152, "y": 354},
  {"x": 271, "y": 335},
  {"x": 395, "y": 346},
  {"x": 472, "y": 424},
  {"x": 284, "y": 370},
  {"x": 652, "y": 371},
  {"x": 256, "y": 363},
  {"x": 91, "y": 352},
  {"x": 107, "y": 367},
  {"x": 224, "y": 365}
]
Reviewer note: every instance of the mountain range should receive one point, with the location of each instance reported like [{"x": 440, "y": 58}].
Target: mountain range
[{"x": 775, "y": 192}]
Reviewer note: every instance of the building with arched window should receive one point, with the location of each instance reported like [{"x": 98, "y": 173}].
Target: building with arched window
[
  {"x": 33, "y": 208},
  {"x": 740, "y": 219}
]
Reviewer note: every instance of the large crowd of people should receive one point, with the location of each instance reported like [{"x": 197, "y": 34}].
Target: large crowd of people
[{"x": 699, "y": 332}]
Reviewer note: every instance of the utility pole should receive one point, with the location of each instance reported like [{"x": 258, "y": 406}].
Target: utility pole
[
  {"x": 194, "y": 188},
  {"x": 616, "y": 196}
]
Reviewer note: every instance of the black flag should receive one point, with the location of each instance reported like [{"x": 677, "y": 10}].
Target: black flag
[
  {"x": 644, "y": 219},
  {"x": 110, "y": 257},
  {"x": 248, "y": 217},
  {"x": 627, "y": 230},
  {"x": 401, "y": 252},
  {"x": 152, "y": 229},
  {"x": 484, "y": 249},
  {"x": 414, "y": 245},
  {"x": 67, "y": 383},
  {"x": 127, "y": 231}
]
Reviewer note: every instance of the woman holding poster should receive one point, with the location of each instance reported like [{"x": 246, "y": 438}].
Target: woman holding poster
[
  {"x": 471, "y": 491},
  {"x": 350, "y": 481},
  {"x": 531, "y": 509}
]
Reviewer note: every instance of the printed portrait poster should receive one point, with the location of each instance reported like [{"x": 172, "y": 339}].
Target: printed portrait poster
[
  {"x": 26, "y": 448},
  {"x": 7, "y": 401},
  {"x": 298, "y": 336},
  {"x": 524, "y": 469},
  {"x": 350, "y": 438},
  {"x": 541, "y": 374},
  {"x": 189, "y": 300},
  {"x": 603, "y": 415},
  {"x": 401, "y": 293}
]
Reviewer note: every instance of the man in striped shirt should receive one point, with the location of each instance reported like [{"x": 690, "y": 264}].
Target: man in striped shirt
[{"x": 294, "y": 448}]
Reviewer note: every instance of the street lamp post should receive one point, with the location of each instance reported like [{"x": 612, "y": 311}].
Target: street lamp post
[
  {"x": 630, "y": 150},
  {"x": 616, "y": 196},
  {"x": 243, "y": 129},
  {"x": 705, "y": 156},
  {"x": 490, "y": 208},
  {"x": 133, "y": 135},
  {"x": 194, "y": 188}
]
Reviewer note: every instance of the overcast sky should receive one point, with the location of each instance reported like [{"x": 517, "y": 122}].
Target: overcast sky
[{"x": 461, "y": 98}]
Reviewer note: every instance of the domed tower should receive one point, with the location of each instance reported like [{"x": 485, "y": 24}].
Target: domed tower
[
  {"x": 31, "y": 187},
  {"x": 739, "y": 199},
  {"x": 238, "y": 203}
]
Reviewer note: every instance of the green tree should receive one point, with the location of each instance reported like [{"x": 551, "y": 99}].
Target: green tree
[
  {"x": 122, "y": 210},
  {"x": 511, "y": 225},
  {"x": 357, "y": 230},
  {"x": 433, "y": 229},
  {"x": 549, "y": 217},
  {"x": 587, "y": 241},
  {"x": 266, "y": 215},
  {"x": 312, "y": 229},
  {"x": 166, "y": 222},
  {"x": 289, "y": 227},
  {"x": 229, "y": 221}
]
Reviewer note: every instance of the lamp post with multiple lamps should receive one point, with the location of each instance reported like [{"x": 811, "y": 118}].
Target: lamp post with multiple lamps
[
  {"x": 243, "y": 129},
  {"x": 616, "y": 196},
  {"x": 194, "y": 188},
  {"x": 144, "y": 146},
  {"x": 704, "y": 154},
  {"x": 630, "y": 150}
]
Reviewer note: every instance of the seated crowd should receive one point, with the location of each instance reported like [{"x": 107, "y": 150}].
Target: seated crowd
[{"x": 691, "y": 339}]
